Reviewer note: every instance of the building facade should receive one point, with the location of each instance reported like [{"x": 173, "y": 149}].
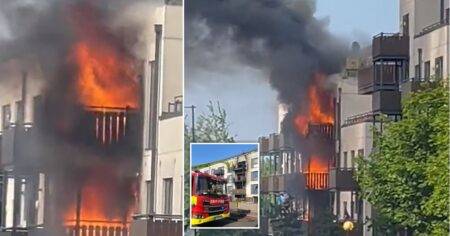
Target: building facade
[
  {"x": 241, "y": 173},
  {"x": 161, "y": 175},
  {"x": 427, "y": 25}
]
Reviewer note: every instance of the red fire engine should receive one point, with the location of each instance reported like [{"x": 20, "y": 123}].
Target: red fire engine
[{"x": 209, "y": 201}]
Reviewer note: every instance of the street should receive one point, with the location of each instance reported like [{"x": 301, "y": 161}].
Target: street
[{"x": 243, "y": 214}]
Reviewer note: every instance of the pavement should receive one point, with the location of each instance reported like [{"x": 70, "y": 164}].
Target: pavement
[{"x": 243, "y": 214}]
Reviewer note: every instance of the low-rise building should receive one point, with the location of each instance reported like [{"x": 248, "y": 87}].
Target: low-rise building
[{"x": 240, "y": 171}]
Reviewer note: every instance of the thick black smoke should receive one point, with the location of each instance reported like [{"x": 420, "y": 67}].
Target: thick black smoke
[{"x": 280, "y": 37}]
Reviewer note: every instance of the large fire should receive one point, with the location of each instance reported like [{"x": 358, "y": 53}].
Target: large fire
[
  {"x": 105, "y": 75},
  {"x": 317, "y": 174},
  {"x": 317, "y": 108},
  {"x": 316, "y": 112},
  {"x": 102, "y": 201}
]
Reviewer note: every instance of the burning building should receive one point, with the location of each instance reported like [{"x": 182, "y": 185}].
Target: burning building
[
  {"x": 78, "y": 123},
  {"x": 298, "y": 162}
]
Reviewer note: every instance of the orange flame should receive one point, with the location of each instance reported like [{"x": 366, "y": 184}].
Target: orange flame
[
  {"x": 319, "y": 106},
  {"x": 100, "y": 204},
  {"x": 105, "y": 73},
  {"x": 318, "y": 164},
  {"x": 317, "y": 174}
]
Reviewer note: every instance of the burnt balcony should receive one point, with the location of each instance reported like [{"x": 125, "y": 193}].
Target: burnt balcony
[
  {"x": 342, "y": 179},
  {"x": 387, "y": 45},
  {"x": 291, "y": 183},
  {"x": 320, "y": 130}
]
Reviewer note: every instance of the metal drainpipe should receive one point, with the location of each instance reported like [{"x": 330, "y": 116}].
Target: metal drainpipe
[{"x": 154, "y": 114}]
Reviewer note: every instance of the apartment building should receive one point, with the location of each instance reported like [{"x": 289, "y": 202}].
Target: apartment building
[
  {"x": 240, "y": 171},
  {"x": 426, "y": 22}
]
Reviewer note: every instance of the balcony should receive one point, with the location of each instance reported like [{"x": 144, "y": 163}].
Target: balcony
[
  {"x": 239, "y": 179},
  {"x": 19, "y": 144},
  {"x": 316, "y": 181},
  {"x": 146, "y": 225},
  {"x": 432, "y": 27},
  {"x": 342, "y": 179},
  {"x": 386, "y": 102},
  {"x": 240, "y": 167},
  {"x": 383, "y": 75},
  {"x": 263, "y": 144},
  {"x": 274, "y": 142},
  {"x": 7, "y": 144},
  {"x": 291, "y": 183},
  {"x": 386, "y": 45}
]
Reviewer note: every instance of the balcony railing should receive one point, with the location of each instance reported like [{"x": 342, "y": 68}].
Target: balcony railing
[
  {"x": 291, "y": 183},
  {"x": 316, "y": 181},
  {"x": 149, "y": 225},
  {"x": 98, "y": 228},
  {"x": 390, "y": 45},
  {"x": 433, "y": 27},
  {"x": 342, "y": 179}
]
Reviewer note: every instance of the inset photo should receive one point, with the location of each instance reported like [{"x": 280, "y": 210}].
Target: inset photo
[{"x": 224, "y": 185}]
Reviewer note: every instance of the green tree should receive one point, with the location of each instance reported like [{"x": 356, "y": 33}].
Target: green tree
[{"x": 406, "y": 177}]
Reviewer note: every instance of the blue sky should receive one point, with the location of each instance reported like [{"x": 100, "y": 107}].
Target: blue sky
[
  {"x": 359, "y": 19},
  {"x": 205, "y": 153}
]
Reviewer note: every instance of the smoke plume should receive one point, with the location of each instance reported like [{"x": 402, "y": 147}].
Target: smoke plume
[{"x": 281, "y": 38}]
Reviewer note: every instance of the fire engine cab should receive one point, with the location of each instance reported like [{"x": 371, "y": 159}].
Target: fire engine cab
[{"x": 209, "y": 201}]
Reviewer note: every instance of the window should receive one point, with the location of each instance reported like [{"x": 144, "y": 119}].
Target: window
[
  {"x": 40, "y": 203},
  {"x": 447, "y": 15},
  {"x": 439, "y": 63},
  {"x": 168, "y": 195},
  {"x": 254, "y": 162},
  {"x": 361, "y": 152},
  {"x": 254, "y": 175},
  {"x": 442, "y": 10},
  {"x": 345, "y": 160},
  {"x": 6, "y": 116},
  {"x": 254, "y": 188},
  {"x": 417, "y": 72},
  {"x": 427, "y": 70},
  {"x": 405, "y": 25},
  {"x": 346, "y": 214},
  {"x": 352, "y": 158}
]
